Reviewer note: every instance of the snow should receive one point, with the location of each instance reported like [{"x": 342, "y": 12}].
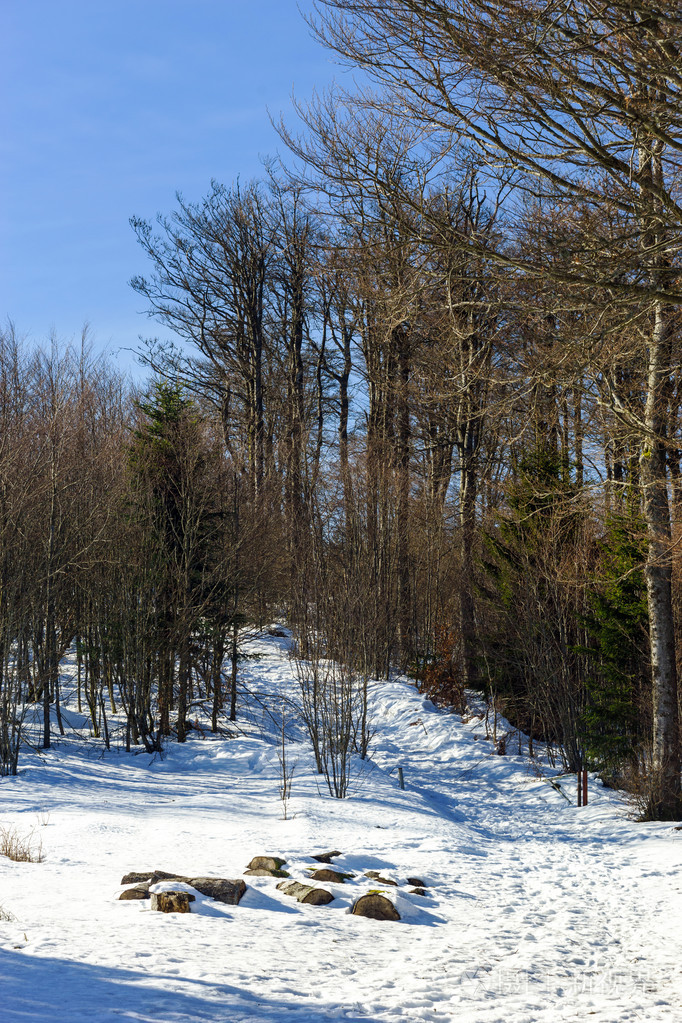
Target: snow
[{"x": 537, "y": 911}]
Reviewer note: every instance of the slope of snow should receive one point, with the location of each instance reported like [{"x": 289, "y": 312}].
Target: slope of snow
[{"x": 537, "y": 911}]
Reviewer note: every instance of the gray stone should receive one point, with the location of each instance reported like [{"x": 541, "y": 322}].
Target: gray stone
[
  {"x": 163, "y": 875},
  {"x": 136, "y": 877},
  {"x": 220, "y": 889}
]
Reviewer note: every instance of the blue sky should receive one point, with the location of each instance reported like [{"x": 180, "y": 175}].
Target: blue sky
[{"x": 110, "y": 107}]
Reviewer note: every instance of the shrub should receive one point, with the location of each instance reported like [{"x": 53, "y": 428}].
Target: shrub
[
  {"x": 20, "y": 848},
  {"x": 441, "y": 678}
]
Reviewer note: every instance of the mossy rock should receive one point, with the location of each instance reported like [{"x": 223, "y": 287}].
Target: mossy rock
[{"x": 266, "y": 863}]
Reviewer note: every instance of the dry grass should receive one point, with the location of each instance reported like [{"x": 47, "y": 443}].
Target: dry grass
[
  {"x": 5, "y": 916},
  {"x": 20, "y": 848}
]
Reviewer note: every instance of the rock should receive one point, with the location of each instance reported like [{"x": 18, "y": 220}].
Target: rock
[
  {"x": 151, "y": 876},
  {"x": 326, "y": 857},
  {"x": 140, "y": 891},
  {"x": 376, "y": 876},
  {"x": 330, "y": 875},
  {"x": 263, "y": 872},
  {"x": 416, "y": 882},
  {"x": 375, "y": 906},
  {"x": 220, "y": 889},
  {"x": 137, "y": 877},
  {"x": 266, "y": 863},
  {"x": 172, "y": 902},
  {"x": 417, "y": 891},
  {"x": 163, "y": 875},
  {"x": 305, "y": 893}
]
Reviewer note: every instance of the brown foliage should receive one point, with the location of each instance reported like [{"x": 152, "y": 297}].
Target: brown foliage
[{"x": 442, "y": 679}]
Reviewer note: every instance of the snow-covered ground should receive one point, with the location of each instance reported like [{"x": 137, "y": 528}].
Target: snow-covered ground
[{"x": 537, "y": 911}]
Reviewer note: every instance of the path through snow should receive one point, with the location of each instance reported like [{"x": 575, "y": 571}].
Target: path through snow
[{"x": 538, "y": 912}]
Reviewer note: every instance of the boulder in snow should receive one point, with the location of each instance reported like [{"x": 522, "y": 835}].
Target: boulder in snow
[
  {"x": 326, "y": 857},
  {"x": 376, "y": 906},
  {"x": 139, "y": 892},
  {"x": 137, "y": 877},
  {"x": 335, "y": 876},
  {"x": 266, "y": 863},
  {"x": 376, "y": 876},
  {"x": 264, "y": 872},
  {"x": 220, "y": 888},
  {"x": 163, "y": 875}
]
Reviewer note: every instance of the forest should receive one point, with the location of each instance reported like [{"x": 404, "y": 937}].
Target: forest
[{"x": 423, "y": 405}]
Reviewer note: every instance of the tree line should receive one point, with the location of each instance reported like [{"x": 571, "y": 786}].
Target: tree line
[{"x": 424, "y": 401}]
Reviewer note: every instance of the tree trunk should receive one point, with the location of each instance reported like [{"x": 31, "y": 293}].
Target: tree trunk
[{"x": 664, "y": 801}]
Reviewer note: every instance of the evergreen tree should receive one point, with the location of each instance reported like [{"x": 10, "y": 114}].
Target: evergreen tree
[
  {"x": 532, "y": 621},
  {"x": 617, "y": 717}
]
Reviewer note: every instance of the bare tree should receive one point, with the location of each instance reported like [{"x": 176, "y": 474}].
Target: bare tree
[{"x": 567, "y": 96}]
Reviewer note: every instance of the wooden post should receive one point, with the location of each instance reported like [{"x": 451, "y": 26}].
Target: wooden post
[
  {"x": 585, "y": 787},
  {"x": 401, "y": 780}
]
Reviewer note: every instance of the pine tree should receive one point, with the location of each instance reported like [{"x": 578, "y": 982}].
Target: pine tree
[
  {"x": 617, "y": 717},
  {"x": 531, "y": 632}
]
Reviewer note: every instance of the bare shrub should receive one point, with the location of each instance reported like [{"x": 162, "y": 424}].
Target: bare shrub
[
  {"x": 334, "y": 709},
  {"x": 286, "y": 767},
  {"x": 20, "y": 848},
  {"x": 636, "y": 777}
]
